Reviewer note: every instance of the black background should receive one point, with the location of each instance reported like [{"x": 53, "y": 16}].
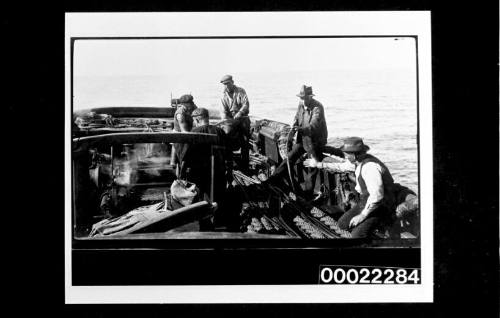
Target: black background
[{"x": 465, "y": 97}]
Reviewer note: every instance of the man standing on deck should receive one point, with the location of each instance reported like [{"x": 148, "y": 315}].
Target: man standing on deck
[
  {"x": 312, "y": 133},
  {"x": 197, "y": 165},
  {"x": 235, "y": 105},
  {"x": 374, "y": 183},
  {"x": 183, "y": 122}
]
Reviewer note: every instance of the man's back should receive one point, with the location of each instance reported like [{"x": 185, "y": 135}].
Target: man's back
[
  {"x": 197, "y": 161},
  {"x": 199, "y": 153}
]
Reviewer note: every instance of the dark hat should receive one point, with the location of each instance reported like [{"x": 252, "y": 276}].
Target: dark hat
[
  {"x": 305, "y": 90},
  {"x": 186, "y": 99},
  {"x": 226, "y": 78},
  {"x": 200, "y": 112},
  {"x": 354, "y": 144}
]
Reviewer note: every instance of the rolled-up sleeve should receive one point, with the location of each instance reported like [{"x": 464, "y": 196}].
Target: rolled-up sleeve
[
  {"x": 339, "y": 166},
  {"x": 372, "y": 175}
]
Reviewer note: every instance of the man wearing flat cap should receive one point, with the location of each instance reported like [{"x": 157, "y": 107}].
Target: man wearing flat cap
[
  {"x": 235, "y": 106},
  {"x": 374, "y": 184},
  {"x": 183, "y": 122},
  {"x": 312, "y": 133}
]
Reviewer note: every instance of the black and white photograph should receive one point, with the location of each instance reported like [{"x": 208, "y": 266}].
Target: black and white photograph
[{"x": 248, "y": 133}]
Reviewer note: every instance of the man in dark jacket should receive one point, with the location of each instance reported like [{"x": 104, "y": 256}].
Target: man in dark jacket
[
  {"x": 197, "y": 163},
  {"x": 312, "y": 134}
]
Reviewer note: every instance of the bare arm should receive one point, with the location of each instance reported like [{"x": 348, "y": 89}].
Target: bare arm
[{"x": 182, "y": 123}]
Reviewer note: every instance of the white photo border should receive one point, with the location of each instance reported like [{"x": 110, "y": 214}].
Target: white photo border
[{"x": 279, "y": 24}]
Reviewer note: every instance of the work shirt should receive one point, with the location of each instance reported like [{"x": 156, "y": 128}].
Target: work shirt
[
  {"x": 235, "y": 106},
  {"x": 375, "y": 184},
  {"x": 312, "y": 121}
]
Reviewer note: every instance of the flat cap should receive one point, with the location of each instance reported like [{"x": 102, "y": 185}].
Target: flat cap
[
  {"x": 186, "y": 99},
  {"x": 226, "y": 78},
  {"x": 200, "y": 112}
]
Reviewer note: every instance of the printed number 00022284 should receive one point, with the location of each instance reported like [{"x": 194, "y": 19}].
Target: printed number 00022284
[{"x": 368, "y": 275}]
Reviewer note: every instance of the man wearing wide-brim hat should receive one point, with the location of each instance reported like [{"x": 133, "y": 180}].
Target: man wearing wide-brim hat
[
  {"x": 310, "y": 124},
  {"x": 374, "y": 183},
  {"x": 236, "y": 107}
]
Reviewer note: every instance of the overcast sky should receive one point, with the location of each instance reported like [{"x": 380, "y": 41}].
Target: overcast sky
[{"x": 174, "y": 56}]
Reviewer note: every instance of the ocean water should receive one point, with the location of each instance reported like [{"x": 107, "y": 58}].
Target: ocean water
[{"x": 378, "y": 105}]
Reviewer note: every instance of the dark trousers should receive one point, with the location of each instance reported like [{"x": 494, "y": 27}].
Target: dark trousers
[
  {"x": 365, "y": 228},
  {"x": 294, "y": 157},
  {"x": 201, "y": 176},
  {"x": 245, "y": 154},
  {"x": 244, "y": 142}
]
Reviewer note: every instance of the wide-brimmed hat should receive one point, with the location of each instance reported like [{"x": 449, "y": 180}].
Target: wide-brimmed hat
[
  {"x": 226, "y": 78},
  {"x": 200, "y": 112},
  {"x": 354, "y": 144},
  {"x": 186, "y": 99},
  {"x": 305, "y": 91}
]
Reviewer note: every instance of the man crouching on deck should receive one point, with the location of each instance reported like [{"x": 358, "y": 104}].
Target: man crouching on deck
[{"x": 375, "y": 185}]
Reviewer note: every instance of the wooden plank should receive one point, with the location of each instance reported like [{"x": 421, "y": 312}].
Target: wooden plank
[
  {"x": 84, "y": 143},
  {"x": 130, "y": 111},
  {"x": 189, "y": 235}
]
